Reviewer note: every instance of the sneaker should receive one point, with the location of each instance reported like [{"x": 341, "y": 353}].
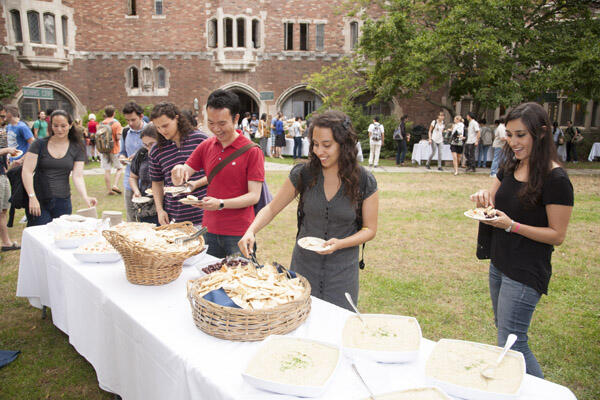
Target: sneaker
[
  {"x": 440, "y": 169},
  {"x": 23, "y": 220},
  {"x": 427, "y": 166},
  {"x": 492, "y": 175},
  {"x": 455, "y": 173}
]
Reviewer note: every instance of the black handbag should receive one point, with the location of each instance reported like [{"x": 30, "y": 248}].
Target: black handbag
[{"x": 484, "y": 242}]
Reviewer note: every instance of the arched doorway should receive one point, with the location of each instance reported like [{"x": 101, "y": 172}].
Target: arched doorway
[
  {"x": 247, "y": 103},
  {"x": 30, "y": 108},
  {"x": 297, "y": 101}
]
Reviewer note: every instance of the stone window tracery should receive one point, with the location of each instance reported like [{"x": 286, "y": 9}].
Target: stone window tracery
[
  {"x": 65, "y": 29},
  {"x": 49, "y": 28},
  {"x": 33, "y": 20},
  {"x": 15, "y": 17}
]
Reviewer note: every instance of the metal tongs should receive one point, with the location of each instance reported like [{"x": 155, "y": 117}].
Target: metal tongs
[{"x": 193, "y": 236}]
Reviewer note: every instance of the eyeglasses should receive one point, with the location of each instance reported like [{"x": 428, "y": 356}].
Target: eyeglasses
[{"x": 2, "y": 115}]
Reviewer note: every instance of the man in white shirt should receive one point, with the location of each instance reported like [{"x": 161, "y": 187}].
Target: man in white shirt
[
  {"x": 246, "y": 125},
  {"x": 436, "y": 139},
  {"x": 376, "y": 137},
  {"x": 497, "y": 145},
  {"x": 473, "y": 136}
]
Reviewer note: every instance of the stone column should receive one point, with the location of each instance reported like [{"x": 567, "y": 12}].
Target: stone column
[{"x": 27, "y": 49}]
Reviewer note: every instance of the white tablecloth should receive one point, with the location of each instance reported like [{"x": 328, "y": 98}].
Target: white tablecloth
[
  {"x": 595, "y": 151},
  {"x": 422, "y": 150},
  {"x": 143, "y": 343},
  {"x": 288, "y": 150}
]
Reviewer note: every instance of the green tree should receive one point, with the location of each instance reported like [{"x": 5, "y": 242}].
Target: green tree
[
  {"x": 8, "y": 85},
  {"x": 499, "y": 52}
]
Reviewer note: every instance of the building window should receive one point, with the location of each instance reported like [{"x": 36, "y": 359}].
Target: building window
[
  {"x": 353, "y": 34},
  {"x": 49, "y": 28},
  {"x": 158, "y": 7},
  {"x": 579, "y": 114},
  {"x": 15, "y": 16},
  {"x": 304, "y": 36},
  {"x": 255, "y": 33},
  {"x": 567, "y": 111},
  {"x": 212, "y": 33},
  {"x": 33, "y": 20},
  {"x": 134, "y": 81},
  {"x": 131, "y": 7},
  {"x": 241, "y": 32},
  {"x": 228, "y": 32},
  {"x": 288, "y": 36},
  {"x": 320, "y": 42},
  {"x": 161, "y": 78},
  {"x": 65, "y": 31}
]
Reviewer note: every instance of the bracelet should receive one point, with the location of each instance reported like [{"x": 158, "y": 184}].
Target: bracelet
[
  {"x": 32, "y": 195},
  {"x": 509, "y": 228},
  {"x": 518, "y": 225}
]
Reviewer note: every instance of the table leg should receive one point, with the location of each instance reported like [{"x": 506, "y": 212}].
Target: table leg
[{"x": 44, "y": 312}]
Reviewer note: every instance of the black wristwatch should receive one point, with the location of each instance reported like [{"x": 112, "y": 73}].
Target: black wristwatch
[{"x": 221, "y": 204}]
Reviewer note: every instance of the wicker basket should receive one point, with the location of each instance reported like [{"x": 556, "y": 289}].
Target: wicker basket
[
  {"x": 151, "y": 267},
  {"x": 249, "y": 325}
]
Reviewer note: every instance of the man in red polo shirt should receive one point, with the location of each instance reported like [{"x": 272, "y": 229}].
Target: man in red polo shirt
[{"x": 235, "y": 189}]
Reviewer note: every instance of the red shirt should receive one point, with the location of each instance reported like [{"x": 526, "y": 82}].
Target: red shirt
[{"x": 231, "y": 181}]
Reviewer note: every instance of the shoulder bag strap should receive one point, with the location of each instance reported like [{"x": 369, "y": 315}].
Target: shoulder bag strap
[{"x": 229, "y": 159}]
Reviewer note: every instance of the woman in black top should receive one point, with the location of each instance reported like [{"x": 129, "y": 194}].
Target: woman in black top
[
  {"x": 534, "y": 199},
  {"x": 53, "y": 159},
  {"x": 139, "y": 178}
]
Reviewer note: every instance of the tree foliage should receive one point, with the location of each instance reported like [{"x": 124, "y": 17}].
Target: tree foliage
[
  {"x": 499, "y": 52},
  {"x": 8, "y": 85}
]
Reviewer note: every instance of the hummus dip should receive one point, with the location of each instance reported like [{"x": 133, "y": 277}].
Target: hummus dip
[
  {"x": 294, "y": 362},
  {"x": 461, "y": 363},
  {"x": 413, "y": 394},
  {"x": 382, "y": 333}
]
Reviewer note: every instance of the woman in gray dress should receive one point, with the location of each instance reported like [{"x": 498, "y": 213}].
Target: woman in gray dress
[{"x": 339, "y": 202}]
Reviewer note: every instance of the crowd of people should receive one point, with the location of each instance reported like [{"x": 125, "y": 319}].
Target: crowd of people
[{"x": 338, "y": 198}]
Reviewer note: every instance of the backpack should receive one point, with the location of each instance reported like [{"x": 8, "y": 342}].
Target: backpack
[
  {"x": 104, "y": 138},
  {"x": 487, "y": 136},
  {"x": 376, "y": 134}
]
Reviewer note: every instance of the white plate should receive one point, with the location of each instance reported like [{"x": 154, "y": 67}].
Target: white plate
[
  {"x": 140, "y": 200},
  {"x": 174, "y": 190},
  {"x": 97, "y": 257},
  {"x": 465, "y": 392},
  {"x": 391, "y": 395},
  {"x": 189, "y": 202},
  {"x": 470, "y": 214},
  {"x": 148, "y": 192},
  {"x": 383, "y": 356},
  {"x": 294, "y": 390},
  {"x": 73, "y": 217},
  {"x": 19, "y": 154},
  {"x": 312, "y": 243},
  {"x": 197, "y": 258},
  {"x": 74, "y": 243}
]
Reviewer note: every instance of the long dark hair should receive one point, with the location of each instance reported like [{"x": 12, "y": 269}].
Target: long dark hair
[
  {"x": 73, "y": 135},
  {"x": 170, "y": 110},
  {"x": 346, "y": 137},
  {"x": 543, "y": 151}
]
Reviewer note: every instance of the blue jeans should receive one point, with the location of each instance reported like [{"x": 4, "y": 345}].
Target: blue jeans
[
  {"x": 496, "y": 160},
  {"x": 401, "y": 152},
  {"x": 50, "y": 209},
  {"x": 514, "y": 304},
  {"x": 483, "y": 150},
  {"x": 221, "y": 246},
  {"x": 297, "y": 147}
]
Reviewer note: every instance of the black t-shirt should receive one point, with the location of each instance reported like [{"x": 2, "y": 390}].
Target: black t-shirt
[
  {"x": 140, "y": 166},
  {"x": 56, "y": 171},
  {"x": 522, "y": 259}
]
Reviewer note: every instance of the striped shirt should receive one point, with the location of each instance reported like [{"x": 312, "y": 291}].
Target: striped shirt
[{"x": 162, "y": 161}]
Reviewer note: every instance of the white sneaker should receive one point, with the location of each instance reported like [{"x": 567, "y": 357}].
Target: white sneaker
[
  {"x": 23, "y": 220},
  {"x": 492, "y": 176}
]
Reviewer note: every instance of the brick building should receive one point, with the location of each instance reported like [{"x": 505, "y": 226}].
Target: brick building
[{"x": 94, "y": 53}]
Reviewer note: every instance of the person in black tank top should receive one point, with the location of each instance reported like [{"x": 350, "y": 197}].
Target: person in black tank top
[{"x": 534, "y": 199}]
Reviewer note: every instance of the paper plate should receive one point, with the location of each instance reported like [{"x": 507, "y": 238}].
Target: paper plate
[
  {"x": 472, "y": 215},
  {"x": 312, "y": 243},
  {"x": 148, "y": 192},
  {"x": 140, "y": 200},
  {"x": 174, "y": 189},
  {"x": 190, "y": 202},
  {"x": 97, "y": 257},
  {"x": 19, "y": 154}
]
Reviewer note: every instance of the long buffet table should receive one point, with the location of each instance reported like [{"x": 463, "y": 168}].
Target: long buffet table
[
  {"x": 143, "y": 343},
  {"x": 288, "y": 150},
  {"x": 422, "y": 150}
]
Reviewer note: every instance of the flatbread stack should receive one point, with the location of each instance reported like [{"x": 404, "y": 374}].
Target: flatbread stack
[
  {"x": 144, "y": 235},
  {"x": 75, "y": 234},
  {"x": 98, "y": 247},
  {"x": 249, "y": 287}
]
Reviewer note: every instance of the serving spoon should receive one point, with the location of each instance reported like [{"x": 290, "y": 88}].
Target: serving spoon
[
  {"x": 490, "y": 371},
  {"x": 354, "y": 307},
  {"x": 371, "y": 395}
]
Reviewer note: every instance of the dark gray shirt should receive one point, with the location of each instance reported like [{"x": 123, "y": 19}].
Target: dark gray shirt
[
  {"x": 56, "y": 171},
  {"x": 331, "y": 275}
]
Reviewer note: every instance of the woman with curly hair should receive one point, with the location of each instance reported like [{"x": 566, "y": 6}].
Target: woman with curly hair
[
  {"x": 338, "y": 202},
  {"x": 533, "y": 197},
  {"x": 177, "y": 140}
]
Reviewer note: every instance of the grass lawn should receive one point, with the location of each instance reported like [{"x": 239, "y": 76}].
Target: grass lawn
[{"x": 422, "y": 263}]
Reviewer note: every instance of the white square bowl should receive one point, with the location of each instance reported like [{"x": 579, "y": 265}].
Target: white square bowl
[
  {"x": 465, "y": 392},
  {"x": 283, "y": 388},
  {"x": 383, "y": 356},
  {"x": 97, "y": 257}
]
